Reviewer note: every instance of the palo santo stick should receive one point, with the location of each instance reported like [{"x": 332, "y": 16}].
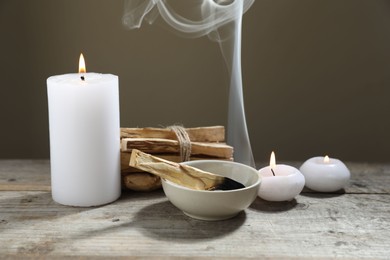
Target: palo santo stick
[
  {"x": 197, "y": 134},
  {"x": 158, "y": 145},
  {"x": 141, "y": 181},
  {"x": 184, "y": 175},
  {"x": 125, "y": 158}
]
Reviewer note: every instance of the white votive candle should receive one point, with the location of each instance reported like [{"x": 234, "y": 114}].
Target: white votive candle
[
  {"x": 325, "y": 174},
  {"x": 84, "y": 138},
  {"x": 280, "y": 182}
]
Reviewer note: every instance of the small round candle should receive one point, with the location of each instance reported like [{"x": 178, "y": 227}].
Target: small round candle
[
  {"x": 325, "y": 174},
  {"x": 280, "y": 182}
]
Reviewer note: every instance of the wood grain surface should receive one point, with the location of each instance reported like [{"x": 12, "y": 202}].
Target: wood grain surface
[{"x": 353, "y": 224}]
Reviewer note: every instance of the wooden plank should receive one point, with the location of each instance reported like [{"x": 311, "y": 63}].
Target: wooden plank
[
  {"x": 35, "y": 175},
  {"x": 146, "y": 225},
  {"x": 26, "y": 175},
  {"x": 370, "y": 178}
]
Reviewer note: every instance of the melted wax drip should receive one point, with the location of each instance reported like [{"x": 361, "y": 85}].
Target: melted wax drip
[{"x": 221, "y": 21}]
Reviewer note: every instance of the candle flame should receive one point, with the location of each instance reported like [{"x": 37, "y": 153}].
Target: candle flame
[
  {"x": 326, "y": 159},
  {"x": 82, "y": 68},
  {"x": 272, "y": 161}
]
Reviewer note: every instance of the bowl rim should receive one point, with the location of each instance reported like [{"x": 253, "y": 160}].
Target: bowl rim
[{"x": 217, "y": 191}]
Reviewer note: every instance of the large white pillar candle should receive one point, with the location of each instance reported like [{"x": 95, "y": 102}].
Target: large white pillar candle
[{"x": 84, "y": 138}]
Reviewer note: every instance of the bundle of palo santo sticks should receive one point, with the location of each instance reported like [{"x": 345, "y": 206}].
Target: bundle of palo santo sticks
[{"x": 205, "y": 143}]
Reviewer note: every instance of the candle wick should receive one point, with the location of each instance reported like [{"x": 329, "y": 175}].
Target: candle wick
[
  {"x": 82, "y": 78},
  {"x": 272, "y": 171}
]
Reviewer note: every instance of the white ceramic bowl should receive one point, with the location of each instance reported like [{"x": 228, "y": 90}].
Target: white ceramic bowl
[{"x": 215, "y": 205}]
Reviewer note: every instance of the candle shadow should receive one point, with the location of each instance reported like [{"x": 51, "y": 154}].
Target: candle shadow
[
  {"x": 273, "y": 206},
  {"x": 322, "y": 195},
  {"x": 27, "y": 207},
  {"x": 158, "y": 220}
]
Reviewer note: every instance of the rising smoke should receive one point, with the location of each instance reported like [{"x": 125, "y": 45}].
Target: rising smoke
[{"x": 220, "y": 20}]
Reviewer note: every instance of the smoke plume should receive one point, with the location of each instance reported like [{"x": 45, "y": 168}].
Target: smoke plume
[{"x": 221, "y": 21}]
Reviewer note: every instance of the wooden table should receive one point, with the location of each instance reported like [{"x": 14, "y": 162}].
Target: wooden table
[{"x": 351, "y": 225}]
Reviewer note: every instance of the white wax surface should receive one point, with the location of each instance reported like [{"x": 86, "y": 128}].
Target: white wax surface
[
  {"x": 84, "y": 138},
  {"x": 325, "y": 177},
  {"x": 287, "y": 183}
]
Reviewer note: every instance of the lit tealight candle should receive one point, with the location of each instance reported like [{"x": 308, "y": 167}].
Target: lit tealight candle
[
  {"x": 84, "y": 137},
  {"x": 280, "y": 182},
  {"x": 325, "y": 174}
]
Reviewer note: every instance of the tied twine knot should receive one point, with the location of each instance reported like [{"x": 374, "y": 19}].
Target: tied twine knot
[{"x": 184, "y": 142}]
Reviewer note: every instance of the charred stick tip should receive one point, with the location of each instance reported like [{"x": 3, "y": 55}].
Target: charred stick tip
[{"x": 229, "y": 184}]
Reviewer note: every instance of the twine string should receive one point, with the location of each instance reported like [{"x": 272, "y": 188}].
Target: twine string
[{"x": 184, "y": 142}]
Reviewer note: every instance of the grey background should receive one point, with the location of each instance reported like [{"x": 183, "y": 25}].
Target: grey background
[{"x": 316, "y": 74}]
